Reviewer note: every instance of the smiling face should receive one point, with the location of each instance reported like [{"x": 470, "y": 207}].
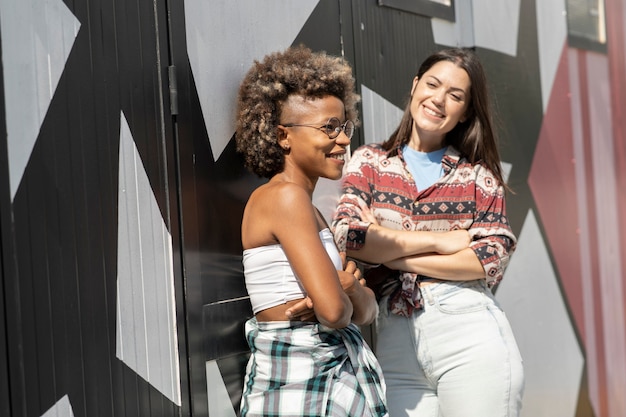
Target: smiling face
[
  {"x": 439, "y": 101},
  {"x": 311, "y": 153}
]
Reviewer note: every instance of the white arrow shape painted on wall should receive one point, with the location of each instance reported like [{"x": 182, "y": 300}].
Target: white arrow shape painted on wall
[
  {"x": 37, "y": 37},
  {"x": 146, "y": 330},
  {"x": 223, "y": 39}
]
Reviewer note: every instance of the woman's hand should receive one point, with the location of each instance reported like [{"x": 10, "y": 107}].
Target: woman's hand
[
  {"x": 366, "y": 213},
  {"x": 302, "y": 310},
  {"x": 349, "y": 277},
  {"x": 362, "y": 297}
]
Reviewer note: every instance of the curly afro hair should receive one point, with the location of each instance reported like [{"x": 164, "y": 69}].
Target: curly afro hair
[{"x": 265, "y": 88}]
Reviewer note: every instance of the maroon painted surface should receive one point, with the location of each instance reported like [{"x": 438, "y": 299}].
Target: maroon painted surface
[{"x": 552, "y": 181}]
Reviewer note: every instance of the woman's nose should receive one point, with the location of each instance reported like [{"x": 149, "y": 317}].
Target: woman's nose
[
  {"x": 438, "y": 97},
  {"x": 342, "y": 139}
]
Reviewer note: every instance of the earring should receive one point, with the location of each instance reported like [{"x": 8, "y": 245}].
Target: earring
[{"x": 286, "y": 147}]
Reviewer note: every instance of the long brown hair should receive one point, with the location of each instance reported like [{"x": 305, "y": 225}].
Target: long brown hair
[{"x": 475, "y": 137}]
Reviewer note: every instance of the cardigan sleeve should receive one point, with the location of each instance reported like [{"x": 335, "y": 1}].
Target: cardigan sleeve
[
  {"x": 492, "y": 238},
  {"x": 348, "y": 226}
]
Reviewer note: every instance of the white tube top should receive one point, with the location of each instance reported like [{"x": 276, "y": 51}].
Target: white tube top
[{"x": 269, "y": 278}]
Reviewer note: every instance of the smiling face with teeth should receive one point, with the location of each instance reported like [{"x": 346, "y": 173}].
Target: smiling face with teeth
[
  {"x": 439, "y": 101},
  {"x": 311, "y": 153}
]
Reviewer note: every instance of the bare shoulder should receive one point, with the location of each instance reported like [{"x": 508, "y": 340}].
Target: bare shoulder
[
  {"x": 289, "y": 202},
  {"x": 278, "y": 195},
  {"x": 273, "y": 209},
  {"x": 288, "y": 193}
]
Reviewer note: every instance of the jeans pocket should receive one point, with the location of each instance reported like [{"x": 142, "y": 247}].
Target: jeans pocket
[{"x": 460, "y": 297}]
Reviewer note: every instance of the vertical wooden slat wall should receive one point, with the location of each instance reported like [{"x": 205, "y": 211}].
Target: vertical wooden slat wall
[
  {"x": 6, "y": 260},
  {"x": 111, "y": 160},
  {"x": 59, "y": 233}
]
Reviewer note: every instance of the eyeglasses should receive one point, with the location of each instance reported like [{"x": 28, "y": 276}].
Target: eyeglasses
[{"x": 332, "y": 128}]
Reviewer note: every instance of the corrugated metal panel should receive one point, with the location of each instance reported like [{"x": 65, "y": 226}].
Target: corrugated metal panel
[
  {"x": 63, "y": 221},
  {"x": 389, "y": 46},
  {"x": 146, "y": 336},
  {"x": 70, "y": 70}
]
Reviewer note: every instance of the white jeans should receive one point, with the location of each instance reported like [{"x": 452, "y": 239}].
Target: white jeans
[{"x": 455, "y": 358}]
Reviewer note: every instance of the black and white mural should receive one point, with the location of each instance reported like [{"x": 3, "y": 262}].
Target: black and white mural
[{"x": 121, "y": 193}]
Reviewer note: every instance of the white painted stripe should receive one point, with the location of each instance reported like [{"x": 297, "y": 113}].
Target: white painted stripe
[
  {"x": 146, "y": 329},
  {"x": 531, "y": 297},
  {"x": 217, "y": 394},
  {"x": 551, "y": 37},
  {"x": 37, "y": 36},
  {"x": 380, "y": 117},
  {"x": 223, "y": 39},
  {"x": 487, "y": 24},
  {"x": 457, "y": 33},
  {"x": 62, "y": 408}
]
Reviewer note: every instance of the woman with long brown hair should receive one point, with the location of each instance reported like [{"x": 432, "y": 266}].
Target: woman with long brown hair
[{"x": 428, "y": 207}]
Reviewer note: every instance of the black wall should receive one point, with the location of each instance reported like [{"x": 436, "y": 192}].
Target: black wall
[{"x": 59, "y": 235}]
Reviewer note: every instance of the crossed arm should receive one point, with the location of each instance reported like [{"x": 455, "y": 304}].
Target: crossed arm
[
  {"x": 443, "y": 255},
  {"x": 362, "y": 298}
]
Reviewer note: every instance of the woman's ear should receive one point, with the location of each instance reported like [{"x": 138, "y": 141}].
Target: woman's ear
[{"x": 283, "y": 138}]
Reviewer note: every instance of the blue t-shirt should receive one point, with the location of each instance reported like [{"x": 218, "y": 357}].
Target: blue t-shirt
[{"x": 425, "y": 167}]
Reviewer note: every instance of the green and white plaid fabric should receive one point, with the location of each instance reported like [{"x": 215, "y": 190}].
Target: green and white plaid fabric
[{"x": 309, "y": 370}]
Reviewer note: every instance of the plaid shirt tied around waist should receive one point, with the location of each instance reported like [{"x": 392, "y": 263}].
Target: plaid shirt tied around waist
[{"x": 309, "y": 370}]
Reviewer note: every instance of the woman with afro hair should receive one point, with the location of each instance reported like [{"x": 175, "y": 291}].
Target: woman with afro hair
[{"x": 296, "y": 113}]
